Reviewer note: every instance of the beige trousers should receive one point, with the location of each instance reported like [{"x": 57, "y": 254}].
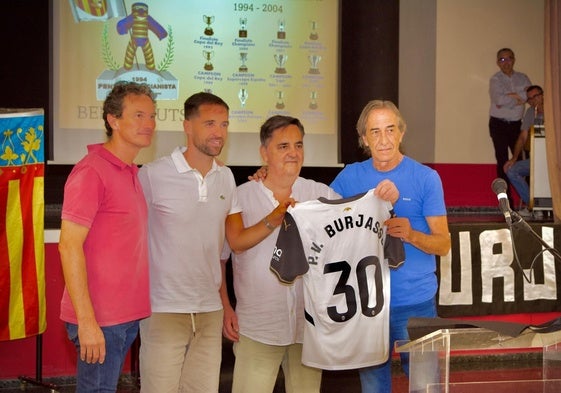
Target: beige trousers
[
  {"x": 257, "y": 366},
  {"x": 181, "y": 353}
]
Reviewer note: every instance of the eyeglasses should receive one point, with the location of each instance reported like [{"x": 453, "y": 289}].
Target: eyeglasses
[
  {"x": 534, "y": 96},
  {"x": 506, "y": 59}
]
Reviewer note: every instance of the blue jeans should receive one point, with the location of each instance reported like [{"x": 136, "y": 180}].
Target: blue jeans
[
  {"x": 378, "y": 379},
  {"x": 517, "y": 176},
  {"x": 103, "y": 378}
]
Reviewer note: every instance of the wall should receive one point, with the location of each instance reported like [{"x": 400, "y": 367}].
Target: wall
[
  {"x": 478, "y": 29},
  {"x": 369, "y": 64},
  {"x": 447, "y": 55},
  {"x": 24, "y": 78},
  {"x": 417, "y": 76}
]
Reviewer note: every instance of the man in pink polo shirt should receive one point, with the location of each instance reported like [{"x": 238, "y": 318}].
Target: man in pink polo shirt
[{"x": 103, "y": 241}]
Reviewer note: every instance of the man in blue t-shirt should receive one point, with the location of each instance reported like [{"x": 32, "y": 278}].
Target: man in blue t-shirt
[{"x": 420, "y": 222}]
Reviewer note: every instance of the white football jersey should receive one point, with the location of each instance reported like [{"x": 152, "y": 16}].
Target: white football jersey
[{"x": 347, "y": 285}]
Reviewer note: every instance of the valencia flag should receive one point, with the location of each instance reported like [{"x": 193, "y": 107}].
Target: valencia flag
[
  {"x": 22, "y": 251},
  {"x": 97, "y": 10}
]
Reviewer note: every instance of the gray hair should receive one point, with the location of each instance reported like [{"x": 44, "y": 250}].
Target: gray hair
[{"x": 363, "y": 118}]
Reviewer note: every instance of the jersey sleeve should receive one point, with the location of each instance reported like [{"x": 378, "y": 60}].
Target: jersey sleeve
[
  {"x": 394, "y": 252},
  {"x": 289, "y": 260}
]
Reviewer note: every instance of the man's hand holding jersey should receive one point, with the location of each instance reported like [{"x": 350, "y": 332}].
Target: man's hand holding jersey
[{"x": 387, "y": 191}]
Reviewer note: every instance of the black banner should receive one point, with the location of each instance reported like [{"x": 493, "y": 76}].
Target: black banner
[{"x": 485, "y": 275}]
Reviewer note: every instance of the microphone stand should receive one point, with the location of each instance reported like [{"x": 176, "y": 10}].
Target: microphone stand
[{"x": 519, "y": 223}]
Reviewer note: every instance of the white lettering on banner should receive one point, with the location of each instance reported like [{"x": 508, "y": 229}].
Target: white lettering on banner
[
  {"x": 547, "y": 290},
  {"x": 496, "y": 265},
  {"x": 481, "y": 276},
  {"x": 465, "y": 296}
]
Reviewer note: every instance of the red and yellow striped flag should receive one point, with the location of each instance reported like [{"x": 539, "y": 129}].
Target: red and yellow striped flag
[
  {"x": 22, "y": 249},
  {"x": 97, "y": 10}
]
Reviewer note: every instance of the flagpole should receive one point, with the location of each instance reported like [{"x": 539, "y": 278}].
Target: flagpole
[{"x": 38, "y": 381}]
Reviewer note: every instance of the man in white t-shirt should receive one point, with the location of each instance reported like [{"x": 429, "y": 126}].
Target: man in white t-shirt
[
  {"x": 192, "y": 204},
  {"x": 269, "y": 322}
]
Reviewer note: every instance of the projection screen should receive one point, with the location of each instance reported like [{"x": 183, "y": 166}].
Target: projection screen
[{"x": 262, "y": 58}]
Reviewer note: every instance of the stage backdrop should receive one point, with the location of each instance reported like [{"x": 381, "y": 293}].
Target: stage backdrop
[
  {"x": 481, "y": 275},
  {"x": 22, "y": 252}
]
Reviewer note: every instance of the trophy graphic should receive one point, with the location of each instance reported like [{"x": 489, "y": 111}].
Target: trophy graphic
[
  {"x": 313, "y": 100},
  {"x": 281, "y": 34},
  {"x": 208, "y": 20},
  {"x": 280, "y": 59},
  {"x": 242, "y": 95},
  {"x": 208, "y": 55},
  {"x": 242, "y": 33},
  {"x": 314, "y": 34},
  {"x": 280, "y": 99},
  {"x": 243, "y": 58},
  {"x": 314, "y": 60}
]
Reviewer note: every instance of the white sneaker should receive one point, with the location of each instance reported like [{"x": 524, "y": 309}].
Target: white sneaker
[{"x": 524, "y": 212}]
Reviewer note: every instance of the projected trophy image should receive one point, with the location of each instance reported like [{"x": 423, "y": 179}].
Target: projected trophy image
[
  {"x": 313, "y": 100},
  {"x": 242, "y": 95},
  {"x": 280, "y": 99},
  {"x": 242, "y": 33},
  {"x": 314, "y": 61},
  {"x": 281, "y": 33},
  {"x": 243, "y": 58},
  {"x": 280, "y": 59},
  {"x": 208, "y": 20},
  {"x": 208, "y": 55},
  {"x": 314, "y": 34}
]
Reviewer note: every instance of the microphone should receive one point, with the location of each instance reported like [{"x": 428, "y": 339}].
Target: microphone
[{"x": 499, "y": 187}]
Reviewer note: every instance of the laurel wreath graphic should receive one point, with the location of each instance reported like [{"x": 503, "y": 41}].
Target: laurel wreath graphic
[
  {"x": 168, "y": 57},
  {"x": 108, "y": 58}
]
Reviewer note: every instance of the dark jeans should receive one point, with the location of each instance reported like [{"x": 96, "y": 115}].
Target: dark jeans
[{"x": 504, "y": 135}]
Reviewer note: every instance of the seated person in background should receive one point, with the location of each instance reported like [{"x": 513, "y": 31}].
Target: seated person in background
[{"x": 518, "y": 170}]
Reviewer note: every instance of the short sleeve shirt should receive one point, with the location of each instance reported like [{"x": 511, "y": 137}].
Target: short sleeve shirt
[{"x": 103, "y": 193}]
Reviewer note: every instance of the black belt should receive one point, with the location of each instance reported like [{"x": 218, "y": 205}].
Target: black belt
[{"x": 505, "y": 121}]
